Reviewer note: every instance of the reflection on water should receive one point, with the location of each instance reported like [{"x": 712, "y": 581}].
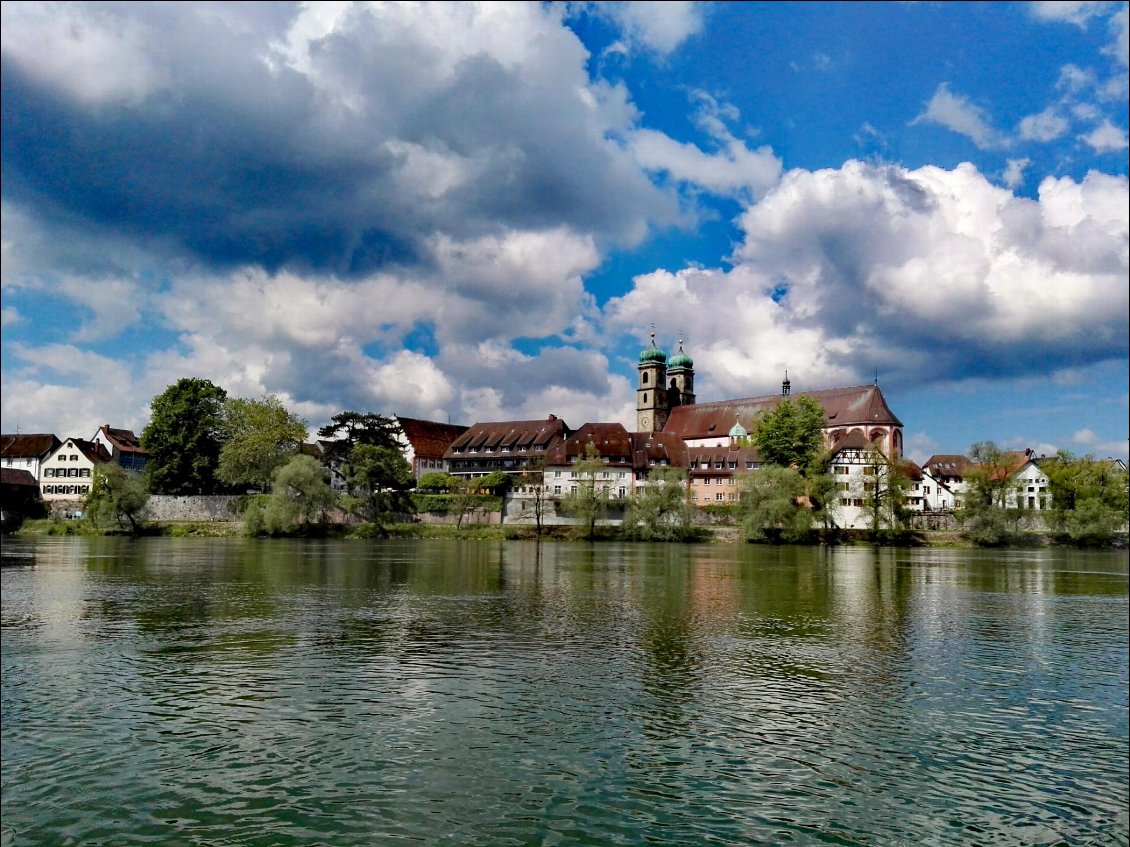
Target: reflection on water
[{"x": 202, "y": 692}]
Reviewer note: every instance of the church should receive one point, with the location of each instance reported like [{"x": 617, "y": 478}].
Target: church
[{"x": 665, "y": 402}]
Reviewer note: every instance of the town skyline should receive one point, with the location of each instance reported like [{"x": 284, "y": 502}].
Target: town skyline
[{"x": 478, "y": 212}]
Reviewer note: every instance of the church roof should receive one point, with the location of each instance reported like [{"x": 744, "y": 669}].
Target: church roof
[
  {"x": 429, "y": 439},
  {"x": 857, "y": 405}
]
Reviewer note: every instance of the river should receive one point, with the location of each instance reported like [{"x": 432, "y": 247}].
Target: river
[{"x": 236, "y": 692}]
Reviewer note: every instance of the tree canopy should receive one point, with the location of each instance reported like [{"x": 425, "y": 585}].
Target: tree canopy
[
  {"x": 775, "y": 505},
  {"x": 662, "y": 510},
  {"x": 184, "y": 437},
  {"x": 349, "y": 429},
  {"x": 259, "y": 437},
  {"x": 589, "y": 501},
  {"x": 791, "y": 435},
  {"x": 379, "y": 479},
  {"x": 116, "y": 496},
  {"x": 300, "y": 496}
]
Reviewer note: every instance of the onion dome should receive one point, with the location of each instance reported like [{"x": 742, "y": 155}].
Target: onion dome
[
  {"x": 652, "y": 354},
  {"x": 738, "y": 431},
  {"x": 681, "y": 359}
]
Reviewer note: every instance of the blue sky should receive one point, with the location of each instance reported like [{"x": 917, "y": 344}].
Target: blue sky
[{"x": 477, "y": 212}]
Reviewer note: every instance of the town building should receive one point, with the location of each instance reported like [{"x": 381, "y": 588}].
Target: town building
[
  {"x": 509, "y": 446},
  {"x": 123, "y": 446},
  {"x": 27, "y": 451},
  {"x": 68, "y": 472},
  {"x": 424, "y": 443}
]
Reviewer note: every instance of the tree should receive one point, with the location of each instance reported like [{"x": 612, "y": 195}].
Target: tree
[
  {"x": 774, "y": 504},
  {"x": 115, "y": 493},
  {"x": 885, "y": 482},
  {"x": 791, "y": 435},
  {"x": 988, "y": 505},
  {"x": 661, "y": 511},
  {"x": 349, "y": 429},
  {"x": 260, "y": 436},
  {"x": 300, "y": 496},
  {"x": 183, "y": 438},
  {"x": 379, "y": 479},
  {"x": 437, "y": 481},
  {"x": 533, "y": 479},
  {"x": 588, "y": 501},
  {"x": 1089, "y": 498}
]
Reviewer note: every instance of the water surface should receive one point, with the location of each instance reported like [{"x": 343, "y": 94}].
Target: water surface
[{"x": 231, "y": 692}]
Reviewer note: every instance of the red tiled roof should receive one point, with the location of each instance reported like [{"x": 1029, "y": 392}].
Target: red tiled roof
[
  {"x": 854, "y": 440},
  {"x": 862, "y": 404},
  {"x": 650, "y": 448},
  {"x": 429, "y": 439},
  {"x": 948, "y": 464},
  {"x": 611, "y": 440},
  {"x": 520, "y": 435},
  {"x": 713, "y": 456},
  {"x": 28, "y": 445},
  {"x": 123, "y": 439}
]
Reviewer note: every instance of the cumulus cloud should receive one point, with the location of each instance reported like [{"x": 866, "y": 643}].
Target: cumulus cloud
[
  {"x": 1014, "y": 173},
  {"x": 1106, "y": 138},
  {"x": 923, "y": 275},
  {"x": 659, "y": 27},
  {"x": 1077, "y": 12}
]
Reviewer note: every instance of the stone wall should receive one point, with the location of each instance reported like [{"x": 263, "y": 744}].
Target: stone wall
[{"x": 195, "y": 507}]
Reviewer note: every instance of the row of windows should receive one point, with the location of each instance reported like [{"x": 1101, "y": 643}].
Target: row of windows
[
  {"x": 59, "y": 472},
  {"x": 66, "y": 489},
  {"x": 538, "y": 447},
  {"x": 62, "y": 458},
  {"x": 722, "y": 480}
]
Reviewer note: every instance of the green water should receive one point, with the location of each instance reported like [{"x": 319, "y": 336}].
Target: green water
[{"x": 229, "y": 692}]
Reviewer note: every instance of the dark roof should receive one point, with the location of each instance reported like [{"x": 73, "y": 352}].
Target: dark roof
[
  {"x": 948, "y": 464},
  {"x": 858, "y": 405},
  {"x": 28, "y": 445},
  {"x": 17, "y": 477},
  {"x": 854, "y": 440},
  {"x": 520, "y": 436},
  {"x": 650, "y": 448},
  {"x": 123, "y": 439},
  {"x": 611, "y": 440},
  {"x": 429, "y": 439},
  {"x": 93, "y": 450},
  {"x": 724, "y": 455}
]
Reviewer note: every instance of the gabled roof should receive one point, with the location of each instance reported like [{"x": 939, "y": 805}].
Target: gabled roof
[
  {"x": 859, "y": 405},
  {"x": 28, "y": 445},
  {"x": 93, "y": 450},
  {"x": 521, "y": 435},
  {"x": 123, "y": 439},
  {"x": 611, "y": 440},
  {"x": 852, "y": 441},
  {"x": 429, "y": 439}
]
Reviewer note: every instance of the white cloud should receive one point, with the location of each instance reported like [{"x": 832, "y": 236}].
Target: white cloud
[
  {"x": 1106, "y": 138},
  {"x": 1014, "y": 173},
  {"x": 10, "y": 316},
  {"x": 1048, "y": 125},
  {"x": 958, "y": 114},
  {"x": 660, "y": 27},
  {"x": 1076, "y": 12}
]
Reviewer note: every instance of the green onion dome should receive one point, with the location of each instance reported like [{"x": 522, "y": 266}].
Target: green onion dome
[
  {"x": 681, "y": 359},
  {"x": 652, "y": 354},
  {"x": 738, "y": 431}
]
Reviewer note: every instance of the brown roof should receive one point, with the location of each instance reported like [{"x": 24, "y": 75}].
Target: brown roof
[
  {"x": 28, "y": 445},
  {"x": 17, "y": 477},
  {"x": 650, "y": 448},
  {"x": 123, "y": 439},
  {"x": 740, "y": 456},
  {"x": 854, "y": 440},
  {"x": 861, "y": 404},
  {"x": 611, "y": 440},
  {"x": 429, "y": 439},
  {"x": 520, "y": 436},
  {"x": 948, "y": 464}
]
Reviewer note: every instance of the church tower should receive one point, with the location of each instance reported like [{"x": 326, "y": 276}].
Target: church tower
[
  {"x": 651, "y": 395},
  {"x": 680, "y": 373}
]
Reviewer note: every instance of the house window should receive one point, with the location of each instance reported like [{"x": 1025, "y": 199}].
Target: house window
[
  {"x": 841, "y": 469},
  {"x": 733, "y": 466},
  {"x": 749, "y": 466},
  {"x": 557, "y": 474},
  {"x": 719, "y": 497},
  {"x": 62, "y": 458},
  {"x": 84, "y": 472},
  {"x": 557, "y": 489}
]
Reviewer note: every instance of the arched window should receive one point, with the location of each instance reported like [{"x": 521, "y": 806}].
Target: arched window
[
  {"x": 645, "y": 399},
  {"x": 646, "y": 376}
]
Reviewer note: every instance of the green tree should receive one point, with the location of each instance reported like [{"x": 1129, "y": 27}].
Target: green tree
[
  {"x": 183, "y": 438},
  {"x": 116, "y": 495},
  {"x": 987, "y": 509},
  {"x": 774, "y": 505},
  {"x": 588, "y": 501},
  {"x": 791, "y": 435},
  {"x": 260, "y": 436},
  {"x": 1089, "y": 499},
  {"x": 437, "y": 481},
  {"x": 379, "y": 479},
  {"x": 300, "y": 497},
  {"x": 349, "y": 429},
  {"x": 662, "y": 510}
]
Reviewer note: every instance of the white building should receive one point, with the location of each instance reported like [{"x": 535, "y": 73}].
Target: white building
[{"x": 69, "y": 471}]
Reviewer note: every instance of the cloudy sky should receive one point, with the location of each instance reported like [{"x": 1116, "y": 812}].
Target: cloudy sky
[{"x": 477, "y": 212}]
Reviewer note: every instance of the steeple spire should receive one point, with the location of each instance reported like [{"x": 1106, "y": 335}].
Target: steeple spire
[{"x": 786, "y": 386}]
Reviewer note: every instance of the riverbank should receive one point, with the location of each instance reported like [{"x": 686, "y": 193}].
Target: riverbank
[{"x": 705, "y": 534}]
